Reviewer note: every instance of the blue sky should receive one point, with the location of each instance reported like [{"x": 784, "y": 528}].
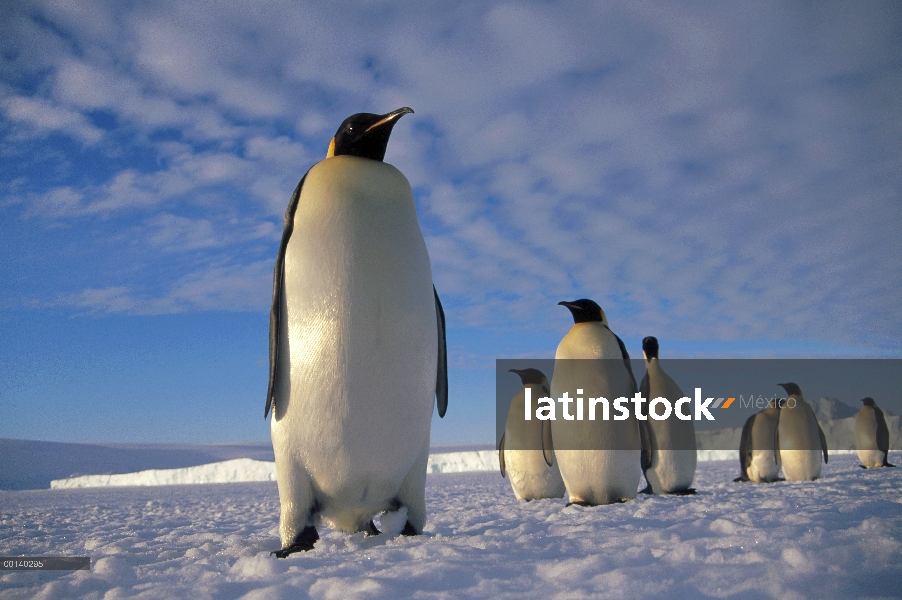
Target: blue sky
[{"x": 724, "y": 176}]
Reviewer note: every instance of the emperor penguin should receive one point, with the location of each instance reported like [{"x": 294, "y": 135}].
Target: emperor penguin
[
  {"x": 526, "y": 451},
  {"x": 600, "y": 460},
  {"x": 801, "y": 439},
  {"x": 673, "y": 448},
  {"x": 759, "y": 447},
  {"x": 871, "y": 436},
  {"x": 356, "y": 344}
]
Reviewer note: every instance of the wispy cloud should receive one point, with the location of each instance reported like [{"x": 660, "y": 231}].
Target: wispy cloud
[{"x": 706, "y": 173}]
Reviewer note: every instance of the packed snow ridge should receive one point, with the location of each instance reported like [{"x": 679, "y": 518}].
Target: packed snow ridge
[{"x": 246, "y": 469}]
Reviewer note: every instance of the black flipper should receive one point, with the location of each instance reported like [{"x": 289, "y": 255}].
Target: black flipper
[
  {"x": 278, "y": 281},
  {"x": 777, "y": 441},
  {"x": 441, "y": 377},
  {"x": 302, "y": 543},
  {"x": 882, "y": 435},
  {"x": 547, "y": 443},
  {"x": 501, "y": 456},
  {"x": 646, "y": 438},
  {"x": 626, "y": 361},
  {"x": 645, "y": 432},
  {"x": 745, "y": 449},
  {"x": 823, "y": 441}
]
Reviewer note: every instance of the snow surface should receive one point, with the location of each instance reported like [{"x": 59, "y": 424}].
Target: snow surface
[
  {"x": 838, "y": 537},
  {"x": 245, "y": 469}
]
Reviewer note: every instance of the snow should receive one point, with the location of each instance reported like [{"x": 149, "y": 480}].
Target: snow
[
  {"x": 245, "y": 469},
  {"x": 230, "y": 471},
  {"x": 838, "y": 537}
]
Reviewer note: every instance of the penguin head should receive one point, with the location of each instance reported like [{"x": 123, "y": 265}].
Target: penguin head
[
  {"x": 868, "y": 401},
  {"x": 529, "y": 376},
  {"x": 650, "y": 347},
  {"x": 585, "y": 311},
  {"x": 365, "y": 134},
  {"x": 792, "y": 389}
]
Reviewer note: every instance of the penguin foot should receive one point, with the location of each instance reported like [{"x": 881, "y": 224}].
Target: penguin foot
[
  {"x": 862, "y": 466},
  {"x": 741, "y": 478},
  {"x": 647, "y": 490},
  {"x": 371, "y": 530},
  {"x": 580, "y": 503},
  {"x": 888, "y": 465},
  {"x": 302, "y": 543},
  {"x": 686, "y": 492},
  {"x": 409, "y": 530}
]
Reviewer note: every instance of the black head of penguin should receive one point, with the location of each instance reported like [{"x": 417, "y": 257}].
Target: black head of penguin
[
  {"x": 584, "y": 311},
  {"x": 365, "y": 134},
  {"x": 791, "y": 389},
  {"x": 650, "y": 347},
  {"x": 868, "y": 401},
  {"x": 529, "y": 376}
]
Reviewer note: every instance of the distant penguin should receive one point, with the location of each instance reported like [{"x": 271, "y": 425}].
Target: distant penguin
[
  {"x": 526, "y": 450},
  {"x": 759, "y": 448},
  {"x": 871, "y": 436},
  {"x": 357, "y": 344},
  {"x": 801, "y": 439},
  {"x": 673, "y": 448},
  {"x": 600, "y": 460}
]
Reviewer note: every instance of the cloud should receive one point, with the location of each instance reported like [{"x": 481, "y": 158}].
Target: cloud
[
  {"x": 40, "y": 117},
  {"x": 715, "y": 173},
  {"x": 226, "y": 287}
]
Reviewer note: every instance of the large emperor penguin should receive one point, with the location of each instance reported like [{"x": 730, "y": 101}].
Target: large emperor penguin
[
  {"x": 526, "y": 451},
  {"x": 600, "y": 460},
  {"x": 672, "y": 440},
  {"x": 356, "y": 344},
  {"x": 801, "y": 439},
  {"x": 759, "y": 447},
  {"x": 871, "y": 436}
]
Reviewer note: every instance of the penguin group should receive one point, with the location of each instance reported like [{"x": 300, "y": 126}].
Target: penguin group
[
  {"x": 358, "y": 364},
  {"x": 598, "y": 461}
]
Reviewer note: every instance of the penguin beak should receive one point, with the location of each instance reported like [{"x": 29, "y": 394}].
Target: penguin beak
[{"x": 388, "y": 118}]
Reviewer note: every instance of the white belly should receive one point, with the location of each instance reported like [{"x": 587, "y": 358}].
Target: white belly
[
  {"x": 362, "y": 334},
  {"x": 599, "y": 460},
  {"x": 800, "y": 445}
]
